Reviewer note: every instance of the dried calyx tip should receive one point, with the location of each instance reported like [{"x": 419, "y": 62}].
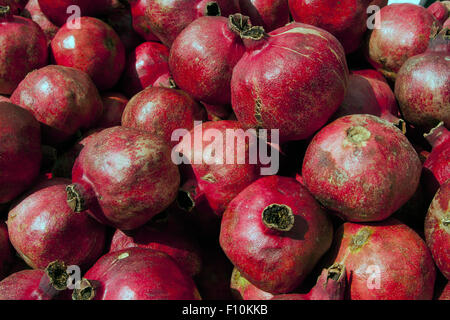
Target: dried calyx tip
[
  {"x": 212, "y": 9},
  {"x": 57, "y": 272},
  {"x": 74, "y": 199},
  {"x": 358, "y": 134},
  {"x": 335, "y": 272},
  {"x": 4, "y": 10},
  {"x": 185, "y": 201},
  {"x": 85, "y": 292},
  {"x": 278, "y": 217}
]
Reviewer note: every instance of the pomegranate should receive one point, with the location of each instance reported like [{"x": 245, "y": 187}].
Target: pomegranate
[
  {"x": 33, "y": 11},
  {"x": 20, "y": 149},
  {"x": 270, "y": 14},
  {"x": 166, "y": 19},
  {"x": 146, "y": 66},
  {"x": 42, "y": 228},
  {"x": 161, "y": 111},
  {"x": 404, "y": 31},
  {"x": 94, "y": 48},
  {"x": 370, "y": 74},
  {"x": 346, "y": 20},
  {"x": 362, "y": 167},
  {"x": 445, "y": 295},
  {"x": 376, "y": 263},
  {"x": 278, "y": 82},
  {"x": 6, "y": 252},
  {"x": 439, "y": 10},
  {"x": 23, "y": 47},
  {"x": 437, "y": 229},
  {"x": 136, "y": 274},
  {"x": 16, "y": 5},
  {"x": 63, "y": 99},
  {"x": 124, "y": 177},
  {"x": 274, "y": 233},
  {"x": 242, "y": 289},
  {"x": 141, "y": 23},
  {"x": 330, "y": 285},
  {"x": 113, "y": 106},
  {"x": 218, "y": 112}
]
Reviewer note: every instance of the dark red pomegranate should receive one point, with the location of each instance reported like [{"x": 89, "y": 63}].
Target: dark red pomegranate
[
  {"x": 113, "y": 106},
  {"x": 439, "y": 10},
  {"x": 33, "y": 11},
  {"x": 147, "y": 66},
  {"x": 20, "y": 149},
  {"x": 94, "y": 48},
  {"x": 23, "y": 48},
  {"x": 370, "y": 74},
  {"x": 161, "y": 111},
  {"x": 6, "y": 252},
  {"x": 136, "y": 274},
  {"x": 330, "y": 285},
  {"x": 242, "y": 289},
  {"x": 141, "y": 23},
  {"x": 362, "y": 167},
  {"x": 278, "y": 83},
  {"x": 445, "y": 295},
  {"x": 274, "y": 233},
  {"x": 204, "y": 54},
  {"x": 42, "y": 228},
  {"x": 437, "y": 229},
  {"x": 63, "y": 99},
  {"x": 270, "y": 14},
  {"x": 405, "y": 30},
  {"x": 16, "y": 6},
  {"x": 124, "y": 177},
  {"x": 376, "y": 263}
]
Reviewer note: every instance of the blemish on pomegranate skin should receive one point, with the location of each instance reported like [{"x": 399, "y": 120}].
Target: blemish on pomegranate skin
[
  {"x": 360, "y": 239},
  {"x": 123, "y": 256}
]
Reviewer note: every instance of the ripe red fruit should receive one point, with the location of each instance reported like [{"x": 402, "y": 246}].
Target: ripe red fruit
[
  {"x": 370, "y": 74},
  {"x": 63, "y": 99},
  {"x": 204, "y": 54},
  {"x": 167, "y": 19},
  {"x": 274, "y": 233},
  {"x": 445, "y": 295},
  {"x": 161, "y": 111},
  {"x": 42, "y": 228},
  {"x": 20, "y": 149},
  {"x": 439, "y": 10},
  {"x": 242, "y": 289},
  {"x": 405, "y": 30},
  {"x": 270, "y": 14},
  {"x": 124, "y": 177},
  {"x": 377, "y": 265},
  {"x": 94, "y": 48},
  {"x": 141, "y": 22},
  {"x": 33, "y": 11},
  {"x": 362, "y": 167},
  {"x": 437, "y": 229},
  {"x": 15, "y": 5},
  {"x": 136, "y": 274},
  {"x": 23, "y": 48},
  {"x": 346, "y": 20},
  {"x": 6, "y": 252},
  {"x": 278, "y": 83},
  {"x": 113, "y": 106},
  {"x": 330, "y": 285},
  {"x": 147, "y": 66}
]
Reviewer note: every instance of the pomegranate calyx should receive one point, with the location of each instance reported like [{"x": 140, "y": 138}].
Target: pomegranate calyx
[
  {"x": 335, "y": 272},
  {"x": 86, "y": 291},
  {"x": 278, "y": 217},
  {"x": 212, "y": 9},
  {"x": 185, "y": 200},
  {"x": 57, "y": 273},
  {"x": 239, "y": 23},
  {"x": 75, "y": 200}
]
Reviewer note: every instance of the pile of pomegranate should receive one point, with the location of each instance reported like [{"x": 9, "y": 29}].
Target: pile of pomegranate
[{"x": 224, "y": 150}]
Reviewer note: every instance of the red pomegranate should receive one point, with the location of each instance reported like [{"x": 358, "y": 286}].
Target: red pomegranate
[
  {"x": 113, "y": 106},
  {"x": 330, "y": 285},
  {"x": 6, "y": 252},
  {"x": 274, "y": 233},
  {"x": 124, "y": 177},
  {"x": 141, "y": 23},
  {"x": 405, "y": 30},
  {"x": 440, "y": 10},
  {"x": 33, "y": 11},
  {"x": 146, "y": 66},
  {"x": 63, "y": 99},
  {"x": 278, "y": 82},
  {"x": 161, "y": 111},
  {"x": 136, "y": 274},
  {"x": 346, "y": 20},
  {"x": 16, "y": 6},
  {"x": 270, "y": 14},
  {"x": 376, "y": 263},
  {"x": 94, "y": 48},
  {"x": 23, "y": 48},
  {"x": 42, "y": 228},
  {"x": 445, "y": 295},
  {"x": 362, "y": 167},
  {"x": 166, "y": 19},
  {"x": 370, "y": 74},
  {"x": 437, "y": 229},
  {"x": 242, "y": 289},
  {"x": 20, "y": 148}
]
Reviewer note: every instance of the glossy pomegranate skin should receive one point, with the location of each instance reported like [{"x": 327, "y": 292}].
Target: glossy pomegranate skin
[
  {"x": 27, "y": 285},
  {"x": 16, "y": 5},
  {"x": 373, "y": 249},
  {"x": 242, "y": 289},
  {"x": 141, "y": 23},
  {"x": 218, "y": 183},
  {"x": 140, "y": 274},
  {"x": 161, "y": 111},
  {"x": 23, "y": 48},
  {"x": 362, "y": 167},
  {"x": 114, "y": 104},
  {"x": 346, "y": 20},
  {"x": 273, "y": 260},
  {"x": 63, "y": 99},
  {"x": 437, "y": 229},
  {"x": 43, "y": 228},
  {"x": 168, "y": 18},
  {"x": 203, "y": 56},
  {"x": 20, "y": 147},
  {"x": 404, "y": 32},
  {"x": 94, "y": 48},
  {"x": 33, "y": 11},
  {"x": 126, "y": 177},
  {"x": 6, "y": 252},
  {"x": 423, "y": 91},
  {"x": 279, "y": 84},
  {"x": 270, "y": 14},
  {"x": 147, "y": 65}
]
